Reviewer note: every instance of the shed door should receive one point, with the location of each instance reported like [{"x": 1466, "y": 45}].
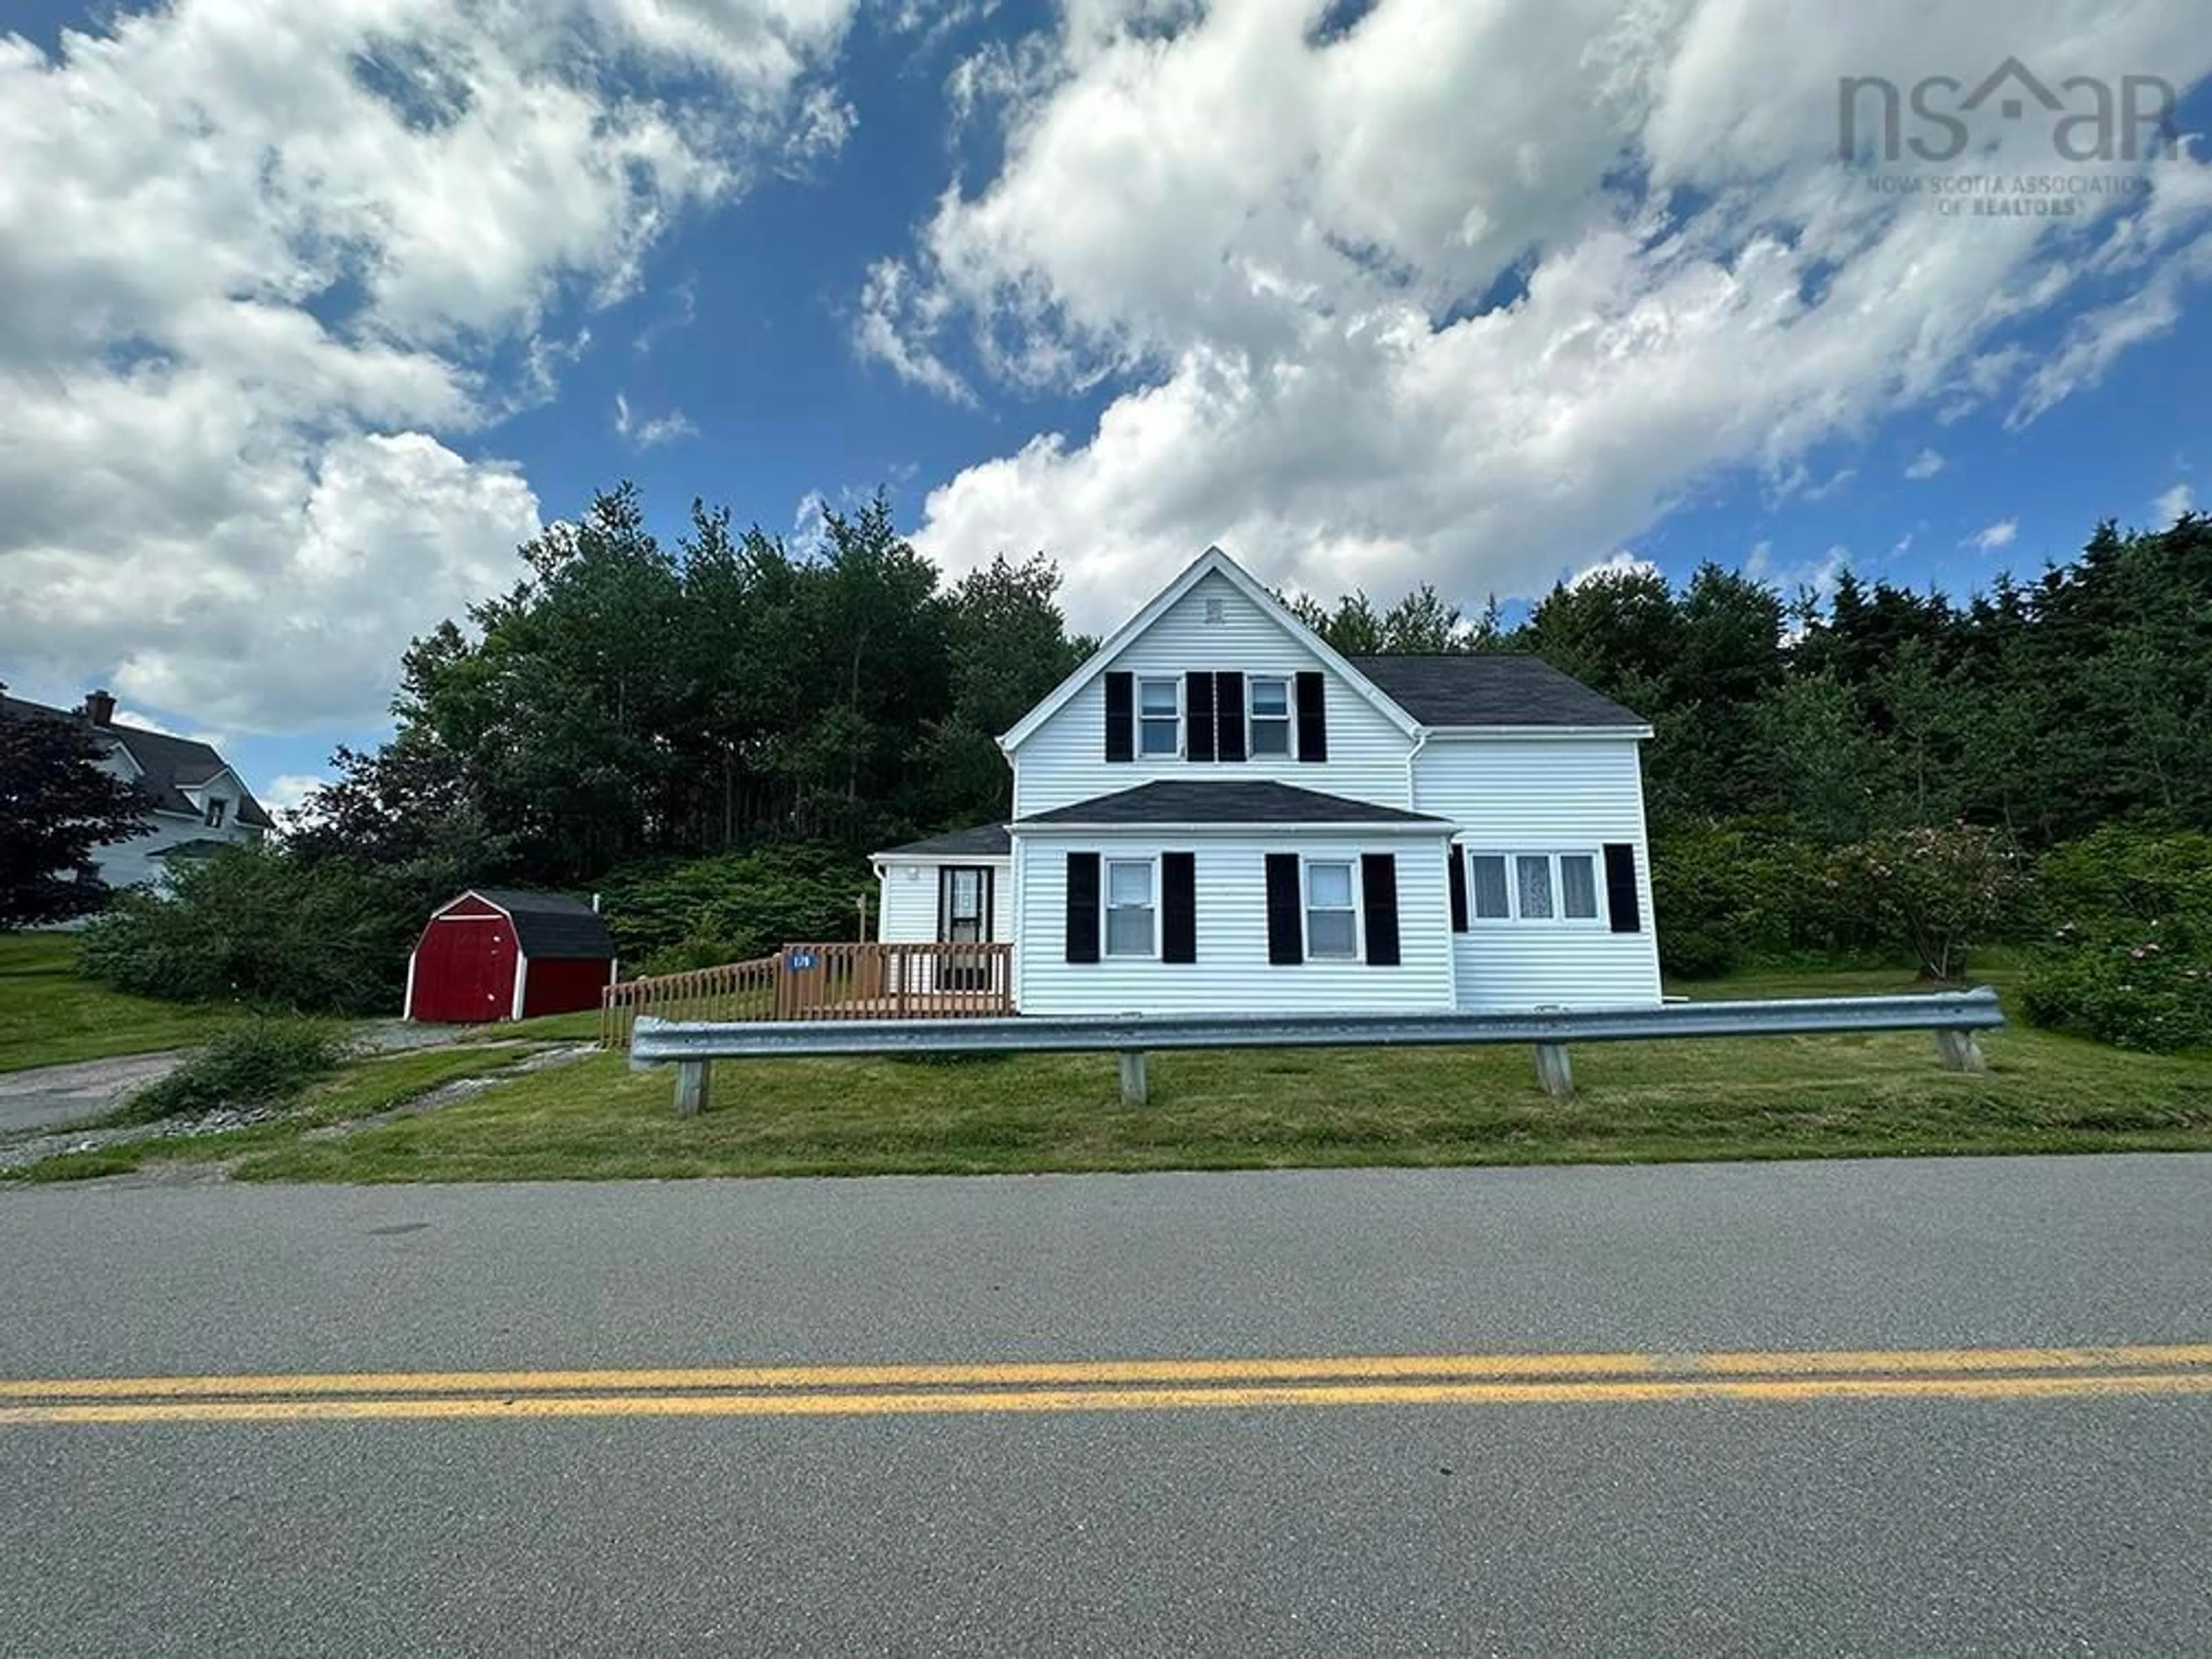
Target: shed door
[{"x": 464, "y": 969}]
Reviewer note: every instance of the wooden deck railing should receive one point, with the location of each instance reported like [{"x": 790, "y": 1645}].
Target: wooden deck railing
[{"x": 824, "y": 981}]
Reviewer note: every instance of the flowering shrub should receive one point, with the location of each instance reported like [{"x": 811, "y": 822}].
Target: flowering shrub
[
  {"x": 1936, "y": 892},
  {"x": 2127, "y": 950}
]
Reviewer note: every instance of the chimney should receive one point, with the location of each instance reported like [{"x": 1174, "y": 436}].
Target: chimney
[{"x": 100, "y": 708}]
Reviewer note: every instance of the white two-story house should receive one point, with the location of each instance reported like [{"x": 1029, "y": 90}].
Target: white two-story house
[
  {"x": 195, "y": 803},
  {"x": 1219, "y": 813}
]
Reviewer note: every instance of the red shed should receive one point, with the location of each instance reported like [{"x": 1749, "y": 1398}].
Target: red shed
[{"x": 495, "y": 953}]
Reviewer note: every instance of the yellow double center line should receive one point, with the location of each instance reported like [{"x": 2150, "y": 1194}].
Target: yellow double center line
[{"x": 1120, "y": 1385}]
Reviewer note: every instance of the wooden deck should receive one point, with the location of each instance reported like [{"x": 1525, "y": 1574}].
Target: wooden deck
[{"x": 842, "y": 980}]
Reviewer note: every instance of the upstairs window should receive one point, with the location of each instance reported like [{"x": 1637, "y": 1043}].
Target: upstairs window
[
  {"x": 1536, "y": 888},
  {"x": 1270, "y": 715},
  {"x": 1129, "y": 910},
  {"x": 1159, "y": 717},
  {"x": 215, "y": 811},
  {"x": 1332, "y": 918}
]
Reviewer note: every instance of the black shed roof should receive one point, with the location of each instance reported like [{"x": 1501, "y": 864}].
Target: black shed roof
[
  {"x": 548, "y": 925},
  {"x": 1223, "y": 801},
  {"x": 1479, "y": 688}
]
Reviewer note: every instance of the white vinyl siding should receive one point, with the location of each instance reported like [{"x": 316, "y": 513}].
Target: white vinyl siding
[
  {"x": 1064, "y": 761},
  {"x": 1232, "y": 973},
  {"x": 1545, "y": 797},
  {"x": 906, "y": 911}
]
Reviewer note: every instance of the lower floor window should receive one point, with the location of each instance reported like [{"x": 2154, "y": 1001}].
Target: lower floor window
[
  {"x": 1332, "y": 920},
  {"x": 1536, "y": 887},
  {"x": 1130, "y": 907}
]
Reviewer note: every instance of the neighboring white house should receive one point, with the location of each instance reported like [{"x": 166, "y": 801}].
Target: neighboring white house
[
  {"x": 1218, "y": 813},
  {"x": 197, "y": 803}
]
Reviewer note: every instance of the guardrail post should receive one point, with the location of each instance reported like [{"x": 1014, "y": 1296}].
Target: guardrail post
[
  {"x": 1134, "y": 1089},
  {"x": 694, "y": 1082},
  {"x": 1553, "y": 1069},
  {"x": 1959, "y": 1052}
]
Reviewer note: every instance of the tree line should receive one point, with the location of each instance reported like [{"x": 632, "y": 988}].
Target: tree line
[
  {"x": 628, "y": 698},
  {"x": 714, "y": 731}
]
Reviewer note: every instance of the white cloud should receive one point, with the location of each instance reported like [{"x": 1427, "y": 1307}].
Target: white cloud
[
  {"x": 264, "y": 266},
  {"x": 1366, "y": 329},
  {"x": 1623, "y": 563},
  {"x": 2181, "y": 499},
  {"x": 1924, "y": 465},
  {"x": 288, "y": 791},
  {"x": 648, "y": 433},
  {"x": 1991, "y": 538}
]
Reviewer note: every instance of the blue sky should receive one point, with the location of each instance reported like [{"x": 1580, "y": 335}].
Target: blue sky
[{"x": 297, "y": 358}]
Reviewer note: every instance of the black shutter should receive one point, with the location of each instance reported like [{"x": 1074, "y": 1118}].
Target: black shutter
[
  {"x": 1620, "y": 887},
  {"x": 1285, "y": 930},
  {"x": 1313, "y": 718},
  {"x": 1083, "y": 906},
  {"x": 1178, "y": 907},
  {"x": 1121, "y": 718},
  {"x": 1456, "y": 865},
  {"x": 1378, "y": 893},
  {"x": 1198, "y": 716},
  {"x": 1229, "y": 702}
]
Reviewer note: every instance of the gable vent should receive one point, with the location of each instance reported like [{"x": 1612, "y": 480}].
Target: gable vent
[{"x": 1217, "y": 610}]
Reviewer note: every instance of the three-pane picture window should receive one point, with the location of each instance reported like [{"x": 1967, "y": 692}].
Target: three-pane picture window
[
  {"x": 1269, "y": 714},
  {"x": 1130, "y": 913},
  {"x": 1159, "y": 717},
  {"x": 1332, "y": 914},
  {"x": 1536, "y": 888}
]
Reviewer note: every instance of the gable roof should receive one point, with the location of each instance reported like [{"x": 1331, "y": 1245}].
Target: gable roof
[
  {"x": 1213, "y": 561},
  {"x": 985, "y": 840},
  {"x": 1223, "y": 801},
  {"x": 1494, "y": 689},
  {"x": 548, "y": 925},
  {"x": 166, "y": 766}
]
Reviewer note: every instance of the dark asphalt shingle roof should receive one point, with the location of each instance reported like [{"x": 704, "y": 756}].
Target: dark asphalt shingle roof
[
  {"x": 168, "y": 763},
  {"x": 1491, "y": 689},
  {"x": 984, "y": 841},
  {"x": 1223, "y": 801},
  {"x": 548, "y": 925}
]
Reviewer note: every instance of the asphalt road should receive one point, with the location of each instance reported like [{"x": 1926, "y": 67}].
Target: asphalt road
[{"x": 1611, "y": 1525}]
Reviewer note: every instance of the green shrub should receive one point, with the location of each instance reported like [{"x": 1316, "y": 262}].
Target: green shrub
[
  {"x": 685, "y": 956},
  {"x": 2126, "y": 957},
  {"x": 1731, "y": 893},
  {"x": 738, "y": 905},
  {"x": 1936, "y": 892},
  {"x": 258, "y": 928},
  {"x": 259, "y": 1062}
]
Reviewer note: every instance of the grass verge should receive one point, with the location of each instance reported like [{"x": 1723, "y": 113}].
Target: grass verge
[
  {"x": 50, "y": 1017},
  {"x": 363, "y": 1088},
  {"x": 1739, "y": 1098}
]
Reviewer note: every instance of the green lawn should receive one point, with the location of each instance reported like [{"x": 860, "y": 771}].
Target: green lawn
[
  {"x": 1773, "y": 1097},
  {"x": 49, "y": 1017}
]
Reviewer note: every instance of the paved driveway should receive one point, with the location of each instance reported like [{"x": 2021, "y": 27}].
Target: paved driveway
[{"x": 49, "y": 1097}]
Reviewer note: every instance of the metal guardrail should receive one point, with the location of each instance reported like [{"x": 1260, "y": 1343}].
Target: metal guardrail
[{"x": 692, "y": 1047}]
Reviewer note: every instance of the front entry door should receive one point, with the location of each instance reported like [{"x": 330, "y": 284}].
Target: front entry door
[{"x": 963, "y": 917}]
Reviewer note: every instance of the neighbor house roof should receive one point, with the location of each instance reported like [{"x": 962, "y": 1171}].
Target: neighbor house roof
[
  {"x": 1222, "y": 801},
  {"x": 985, "y": 840},
  {"x": 1492, "y": 689},
  {"x": 166, "y": 765},
  {"x": 548, "y": 925}
]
